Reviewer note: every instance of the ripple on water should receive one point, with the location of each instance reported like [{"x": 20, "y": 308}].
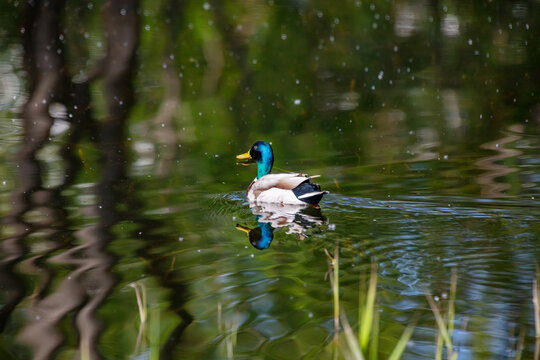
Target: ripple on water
[
  {"x": 432, "y": 205},
  {"x": 417, "y": 240}
]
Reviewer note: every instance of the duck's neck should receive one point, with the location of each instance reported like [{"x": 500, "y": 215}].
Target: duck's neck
[{"x": 264, "y": 167}]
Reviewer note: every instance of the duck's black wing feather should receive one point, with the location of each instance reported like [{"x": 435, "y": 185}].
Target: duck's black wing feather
[{"x": 309, "y": 192}]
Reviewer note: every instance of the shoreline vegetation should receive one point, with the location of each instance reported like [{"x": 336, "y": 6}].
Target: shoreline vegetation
[{"x": 362, "y": 341}]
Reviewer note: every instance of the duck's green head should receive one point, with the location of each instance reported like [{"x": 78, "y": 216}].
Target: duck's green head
[{"x": 262, "y": 153}]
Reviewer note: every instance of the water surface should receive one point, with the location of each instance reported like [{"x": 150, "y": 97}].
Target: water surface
[{"x": 126, "y": 232}]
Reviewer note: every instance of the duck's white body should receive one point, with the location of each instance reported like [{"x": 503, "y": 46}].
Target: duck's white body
[{"x": 277, "y": 188}]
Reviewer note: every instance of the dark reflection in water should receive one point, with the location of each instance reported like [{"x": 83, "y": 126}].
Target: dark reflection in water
[
  {"x": 90, "y": 279},
  {"x": 261, "y": 236},
  {"x": 297, "y": 219},
  {"x": 493, "y": 167},
  {"x": 47, "y": 81}
]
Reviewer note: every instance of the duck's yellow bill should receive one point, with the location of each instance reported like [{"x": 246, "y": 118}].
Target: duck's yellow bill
[{"x": 243, "y": 156}]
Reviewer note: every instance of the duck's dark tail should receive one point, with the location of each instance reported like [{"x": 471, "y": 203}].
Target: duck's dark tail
[{"x": 309, "y": 192}]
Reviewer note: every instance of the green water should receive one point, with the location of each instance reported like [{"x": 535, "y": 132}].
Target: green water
[{"x": 120, "y": 234}]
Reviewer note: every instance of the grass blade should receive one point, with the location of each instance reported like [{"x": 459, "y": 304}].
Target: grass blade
[
  {"x": 367, "y": 317},
  {"x": 521, "y": 341},
  {"x": 402, "y": 343},
  {"x": 451, "y": 302},
  {"x": 335, "y": 285},
  {"x": 334, "y": 282},
  {"x": 439, "y": 349},
  {"x": 536, "y": 308},
  {"x": 374, "y": 345},
  {"x": 351, "y": 339},
  {"x": 440, "y": 323}
]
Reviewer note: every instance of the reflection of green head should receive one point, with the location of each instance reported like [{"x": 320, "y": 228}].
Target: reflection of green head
[{"x": 261, "y": 236}]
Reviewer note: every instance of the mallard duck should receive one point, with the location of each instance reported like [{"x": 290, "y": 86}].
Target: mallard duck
[{"x": 285, "y": 188}]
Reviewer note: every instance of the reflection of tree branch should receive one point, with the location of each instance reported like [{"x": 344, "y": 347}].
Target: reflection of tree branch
[
  {"x": 164, "y": 133},
  {"x": 163, "y": 123},
  {"x": 159, "y": 266},
  {"x": 122, "y": 23},
  {"x": 44, "y": 65},
  {"x": 235, "y": 42},
  {"x": 11, "y": 285},
  {"x": 213, "y": 53},
  {"x": 91, "y": 281},
  {"x": 489, "y": 187}
]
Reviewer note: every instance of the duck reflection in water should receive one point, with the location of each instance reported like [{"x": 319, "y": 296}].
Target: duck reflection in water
[{"x": 298, "y": 219}]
